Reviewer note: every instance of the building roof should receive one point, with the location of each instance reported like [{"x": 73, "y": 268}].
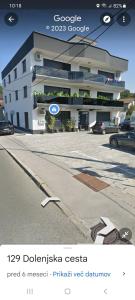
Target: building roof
[
  {"x": 81, "y": 39},
  {"x": 30, "y": 43}
]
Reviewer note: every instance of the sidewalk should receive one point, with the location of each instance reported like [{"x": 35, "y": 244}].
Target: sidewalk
[{"x": 81, "y": 204}]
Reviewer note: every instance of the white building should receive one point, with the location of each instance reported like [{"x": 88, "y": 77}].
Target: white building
[{"x": 83, "y": 79}]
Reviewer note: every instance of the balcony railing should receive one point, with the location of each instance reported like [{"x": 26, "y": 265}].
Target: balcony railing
[
  {"x": 78, "y": 76},
  {"x": 76, "y": 101}
]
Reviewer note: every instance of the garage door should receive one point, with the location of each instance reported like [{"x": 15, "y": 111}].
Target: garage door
[{"x": 103, "y": 116}]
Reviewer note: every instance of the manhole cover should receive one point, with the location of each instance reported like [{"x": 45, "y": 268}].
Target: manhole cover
[{"x": 92, "y": 182}]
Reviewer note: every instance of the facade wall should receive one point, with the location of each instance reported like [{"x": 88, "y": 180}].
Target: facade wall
[
  {"x": 92, "y": 118},
  {"x": 22, "y": 105}
]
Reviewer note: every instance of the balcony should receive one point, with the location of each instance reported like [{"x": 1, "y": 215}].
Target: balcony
[
  {"x": 75, "y": 76},
  {"x": 78, "y": 101}
]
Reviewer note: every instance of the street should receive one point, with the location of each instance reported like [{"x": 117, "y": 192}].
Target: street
[
  {"x": 57, "y": 159},
  {"x": 22, "y": 219}
]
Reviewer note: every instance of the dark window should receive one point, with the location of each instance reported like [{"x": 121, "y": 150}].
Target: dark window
[
  {"x": 84, "y": 69},
  {"x": 16, "y": 95},
  {"x": 4, "y": 82},
  {"x": 55, "y": 89},
  {"x": 18, "y": 119},
  {"x": 103, "y": 116},
  {"x": 84, "y": 93},
  {"x": 56, "y": 64},
  {"x": 106, "y": 74},
  {"x": 25, "y": 91},
  {"x": 9, "y": 78},
  {"x": 9, "y": 97},
  {"x": 15, "y": 73},
  {"x": 24, "y": 65},
  {"x": 5, "y": 99},
  {"x": 26, "y": 116},
  {"x": 105, "y": 96},
  {"x": 12, "y": 118}
]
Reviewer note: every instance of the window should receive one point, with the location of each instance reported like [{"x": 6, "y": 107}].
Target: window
[
  {"x": 25, "y": 91},
  {"x": 9, "y": 78},
  {"x": 105, "y": 96},
  {"x": 17, "y": 119},
  {"x": 54, "y": 90},
  {"x": 15, "y": 73},
  {"x": 12, "y": 117},
  {"x": 84, "y": 93},
  {"x": 56, "y": 64},
  {"x": 84, "y": 69},
  {"x": 9, "y": 97},
  {"x": 26, "y": 117},
  {"x": 4, "y": 82},
  {"x": 5, "y": 99},
  {"x": 16, "y": 95},
  {"x": 106, "y": 74},
  {"x": 24, "y": 65}
]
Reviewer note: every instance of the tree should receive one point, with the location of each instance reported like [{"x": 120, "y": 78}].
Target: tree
[
  {"x": 125, "y": 94},
  {"x": 130, "y": 110}
]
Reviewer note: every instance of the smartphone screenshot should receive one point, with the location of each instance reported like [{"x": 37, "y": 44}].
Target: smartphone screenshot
[{"x": 67, "y": 149}]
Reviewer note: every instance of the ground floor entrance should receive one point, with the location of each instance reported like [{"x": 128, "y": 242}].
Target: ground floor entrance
[
  {"x": 83, "y": 120},
  {"x": 69, "y": 118}
]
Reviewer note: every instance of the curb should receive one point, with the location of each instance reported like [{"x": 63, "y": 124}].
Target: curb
[{"x": 45, "y": 189}]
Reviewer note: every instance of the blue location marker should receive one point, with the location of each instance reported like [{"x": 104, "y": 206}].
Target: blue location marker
[{"x": 54, "y": 109}]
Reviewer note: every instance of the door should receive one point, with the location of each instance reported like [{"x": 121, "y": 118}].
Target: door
[
  {"x": 18, "y": 119},
  {"x": 26, "y": 117},
  {"x": 83, "y": 120},
  {"x": 12, "y": 117}
]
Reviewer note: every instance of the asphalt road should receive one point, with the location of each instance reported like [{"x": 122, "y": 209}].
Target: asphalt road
[{"x": 22, "y": 219}]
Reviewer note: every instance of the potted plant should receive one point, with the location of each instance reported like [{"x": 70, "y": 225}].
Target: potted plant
[
  {"x": 73, "y": 124},
  {"x": 51, "y": 124},
  {"x": 70, "y": 125}
]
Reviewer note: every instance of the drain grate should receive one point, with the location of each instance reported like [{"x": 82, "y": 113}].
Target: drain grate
[{"x": 92, "y": 182}]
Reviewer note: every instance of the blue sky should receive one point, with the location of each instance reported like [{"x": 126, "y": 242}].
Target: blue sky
[{"x": 118, "y": 40}]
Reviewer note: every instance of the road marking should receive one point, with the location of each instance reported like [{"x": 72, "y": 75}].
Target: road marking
[{"x": 49, "y": 199}]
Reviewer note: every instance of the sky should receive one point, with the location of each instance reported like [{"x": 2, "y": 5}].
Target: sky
[{"x": 118, "y": 40}]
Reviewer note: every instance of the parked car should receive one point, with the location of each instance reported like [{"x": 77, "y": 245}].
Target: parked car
[
  {"x": 126, "y": 125},
  {"x": 125, "y": 140},
  {"x": 6, "y": 127},
  {"x": 105, "y": 127}
]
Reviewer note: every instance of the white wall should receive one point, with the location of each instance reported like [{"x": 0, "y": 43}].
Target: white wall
[
  {"x": 38, "y": 120},
  {"x": 74, "y": 67},
  {"x": 92, "y": 118},
  {"x": 22, "y": 104},
  {"x": 116, "y": 96},
  {"x": 94, "y": 70},
  {"x": 93, "y": 94}
]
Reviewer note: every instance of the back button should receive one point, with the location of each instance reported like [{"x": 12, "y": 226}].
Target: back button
[{"x": 11, "y": 19}]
